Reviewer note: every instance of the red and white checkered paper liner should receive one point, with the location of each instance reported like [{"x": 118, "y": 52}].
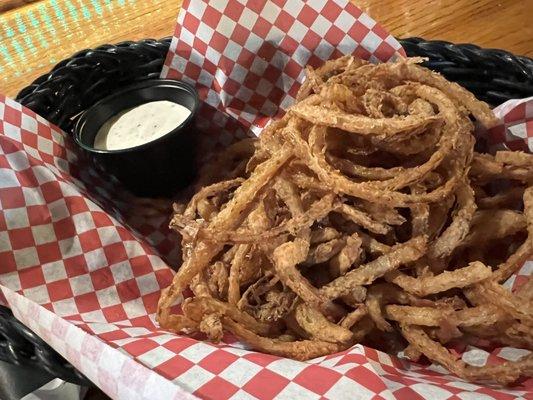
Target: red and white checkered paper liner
[
  {"x": 85, "y": 275},
  {"x": 516, "y": 130},
  {"x": 247, "y": 58}
]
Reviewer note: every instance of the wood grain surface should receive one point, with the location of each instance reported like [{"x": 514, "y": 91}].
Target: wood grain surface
[
  {"x": 36, "y": 34},
  {"x": 6, "y": 5}
]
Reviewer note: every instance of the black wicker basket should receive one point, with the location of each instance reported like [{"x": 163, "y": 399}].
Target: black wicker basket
[{"x": 78, "y": 82}]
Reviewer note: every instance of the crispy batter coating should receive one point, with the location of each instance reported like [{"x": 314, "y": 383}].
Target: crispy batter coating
[{"x": 363, "y": 212}]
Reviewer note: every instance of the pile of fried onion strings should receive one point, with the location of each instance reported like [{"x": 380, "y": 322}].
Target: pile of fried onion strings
[{"x": 366, "y": 214}]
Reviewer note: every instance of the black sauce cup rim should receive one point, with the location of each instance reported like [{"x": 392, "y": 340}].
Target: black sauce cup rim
[{"x": 80, "y": 124}]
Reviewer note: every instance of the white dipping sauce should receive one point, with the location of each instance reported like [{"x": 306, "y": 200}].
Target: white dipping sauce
[{"x": 139, "y": 125}]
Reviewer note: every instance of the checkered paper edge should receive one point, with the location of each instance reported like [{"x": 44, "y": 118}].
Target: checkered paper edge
[
  {"x": 515, "y": 131},
  {"x": 111, "y": 295},
  {"x": 118, "y": 375},
  {"x": 248, "y": 58}
]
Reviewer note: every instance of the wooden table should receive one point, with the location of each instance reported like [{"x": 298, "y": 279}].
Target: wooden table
[{"x": 36, "y": 34}]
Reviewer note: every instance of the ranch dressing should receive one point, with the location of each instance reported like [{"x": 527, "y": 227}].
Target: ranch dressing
[{"x": 139, "y": 125}]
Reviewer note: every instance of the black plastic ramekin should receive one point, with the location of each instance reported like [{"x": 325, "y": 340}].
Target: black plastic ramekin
[{"x": 154, "y": 169}]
